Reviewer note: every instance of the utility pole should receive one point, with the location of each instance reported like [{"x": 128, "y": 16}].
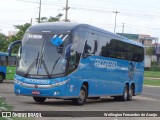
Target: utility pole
[
  {"x": 31, "y": 21},
  {"x": 115, "y": 20},
  {"x": 123, "y": 28},
  {"x": 66, "y": 11},
  {"x": 39, "y": 18}
]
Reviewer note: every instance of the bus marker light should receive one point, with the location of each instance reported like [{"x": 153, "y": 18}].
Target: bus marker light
[
  {"x": 56, "y": 93},
  {"x": 18, "y": 90}
]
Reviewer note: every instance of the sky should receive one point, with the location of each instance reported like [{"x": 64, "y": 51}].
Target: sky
[{"x": 138, "y": 16}]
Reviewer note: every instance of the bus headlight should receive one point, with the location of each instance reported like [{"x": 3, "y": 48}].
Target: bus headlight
[
  {"x": 60, "y": 83},
  {"x": 17, "y": 82}
]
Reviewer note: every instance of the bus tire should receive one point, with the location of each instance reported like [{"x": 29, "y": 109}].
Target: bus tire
[
  {"x": 82, "y": 96},
  {"x": 39, "y": 99},
  {"x": 125, "y": 95},
  {"x": 117, "y": 98},
  {"x": 130, "y": 94},
  {"x": 2, "y": 77}
]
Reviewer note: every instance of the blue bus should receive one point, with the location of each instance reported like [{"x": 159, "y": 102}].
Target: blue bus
[
  {"x": 5, "y": 60},
  {"x": 3, "y": 64},
  {"x": 76, "y": 62}
]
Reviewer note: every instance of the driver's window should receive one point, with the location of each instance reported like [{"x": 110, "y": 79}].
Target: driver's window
[
  {"x": 91, "y": 44},
  {"x": 75, "y": 50}
]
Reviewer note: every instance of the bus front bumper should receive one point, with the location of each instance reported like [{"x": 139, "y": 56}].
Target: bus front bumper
[{"x": 58, "y": 90}]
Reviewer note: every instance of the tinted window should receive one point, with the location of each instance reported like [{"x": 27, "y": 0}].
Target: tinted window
[
  {"x": 121, "y": 50},
  {"x": 102, "y": 46},
  {"x": 3, "y": 60},
  {"x": 75, "y": 50},
  {"x": 91, "y": 44}
]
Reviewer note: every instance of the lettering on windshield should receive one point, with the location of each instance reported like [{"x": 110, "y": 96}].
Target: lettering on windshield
[
  {"x": 35, "y": 36},
  {"x": 108, "y": 64}
]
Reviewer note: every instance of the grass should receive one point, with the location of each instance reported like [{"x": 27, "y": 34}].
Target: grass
[
  {"x": 5, "y": 107},
  {"x": 152, "y": 82},
  {"x": 10, "y": 73},
  {"x": 155, "y": 74}
]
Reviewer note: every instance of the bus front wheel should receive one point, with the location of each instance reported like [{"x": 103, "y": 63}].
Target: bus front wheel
[
  {"x": 39, "y": 99},
  {"x": 82, "y": 96},
  {"x": 1, "y": 77}
]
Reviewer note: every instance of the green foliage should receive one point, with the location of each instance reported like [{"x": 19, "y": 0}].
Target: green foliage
[
  {"x": 150, "y": 51},
  {"x": 4, "y": 41},
  {"x": 50, "y": 19},
  {"x": 22, "y": 29},
  {"x": 154, "y": 67},
  {"x": 2, "y": 37}
]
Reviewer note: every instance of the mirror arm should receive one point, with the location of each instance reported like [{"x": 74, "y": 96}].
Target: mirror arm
[{"x": 12, "y": 45}]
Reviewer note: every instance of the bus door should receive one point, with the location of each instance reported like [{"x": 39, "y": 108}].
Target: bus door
[
  {"x": 90, "y": 72},
  {"x": 73, "y": 55}
]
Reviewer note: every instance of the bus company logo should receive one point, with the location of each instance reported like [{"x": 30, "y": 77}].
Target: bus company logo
[
  {"x": 108, "y": 64},
  {"x": 34, "y": 81},
  {"x": 131, "y": 71}
]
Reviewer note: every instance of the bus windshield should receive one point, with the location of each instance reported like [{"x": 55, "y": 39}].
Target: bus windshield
[{"x": 38, "y": 56}]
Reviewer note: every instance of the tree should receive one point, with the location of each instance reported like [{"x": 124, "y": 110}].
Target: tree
[
  {"x": 50, "y": 19},
  {"x": 3, "y": 43},
  {"x": 2, "y": 37},
  {"x": 150, "y": 51},
  {"x": 22, "y": 29}
]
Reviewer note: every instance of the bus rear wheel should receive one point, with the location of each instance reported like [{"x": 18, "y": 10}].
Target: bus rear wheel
[
  {"x": 1, "y": 77},
  {"x": 82, "y": 96},
  {"x": 130, "y": 94},
  {"x": 125, "y": 95},
  {"x": 39, "y": 99}
]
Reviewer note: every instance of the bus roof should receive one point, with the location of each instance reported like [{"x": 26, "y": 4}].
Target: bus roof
[
  {"x": 64, "y": 27},
  {"x": 3, "y": 54}
]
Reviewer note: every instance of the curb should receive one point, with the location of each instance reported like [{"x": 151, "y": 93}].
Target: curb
[
  {"x": 152, "y": 86},
  {"x": 153, "y": 78}
]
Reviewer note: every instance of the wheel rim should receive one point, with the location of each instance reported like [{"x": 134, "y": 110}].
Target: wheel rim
[
  {"x": 82, "y": 96},
  {"x": 130, "y": 93},
  {"x": 125, "y": 94}
]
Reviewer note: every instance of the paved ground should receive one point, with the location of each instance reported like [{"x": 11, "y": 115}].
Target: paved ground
[{"x": 148, "y": 101}]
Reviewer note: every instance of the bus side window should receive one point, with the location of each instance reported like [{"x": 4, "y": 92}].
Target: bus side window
[
  {"x": 12, "y": 60},
  {"x": 103, "y": 47},
  {"x": 3, "y": 60},
  {"x": 91, "y": 45}
]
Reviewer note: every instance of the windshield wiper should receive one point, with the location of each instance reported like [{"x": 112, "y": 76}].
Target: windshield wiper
[
  {"x": 44, "y": 65},
  {"x": 35, "y": 62},
  {"x": 55, "y": 64}
]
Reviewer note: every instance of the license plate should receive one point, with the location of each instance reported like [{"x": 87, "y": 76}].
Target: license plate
[{"x": 35, "y": 92}]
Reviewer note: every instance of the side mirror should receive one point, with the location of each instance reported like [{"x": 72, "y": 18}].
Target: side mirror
[{"x": 12, "y": 45}]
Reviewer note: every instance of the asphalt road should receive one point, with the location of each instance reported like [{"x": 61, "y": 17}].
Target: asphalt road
[
  {"x": 151, "y": 92},
  {"x": 148, "y": 101}
]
